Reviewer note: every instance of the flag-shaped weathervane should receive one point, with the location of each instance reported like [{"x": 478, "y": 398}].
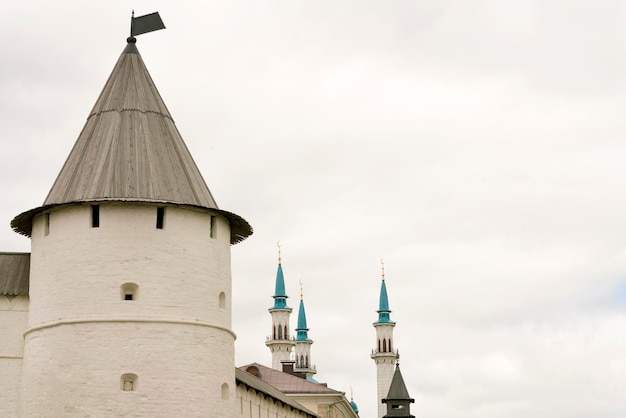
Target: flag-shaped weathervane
[{"x": 145, "y": 23}]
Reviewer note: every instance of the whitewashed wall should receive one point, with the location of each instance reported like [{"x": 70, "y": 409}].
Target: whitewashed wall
[
  {"x": 13, "y": 318},
  {"x": 175, "y": 335}
]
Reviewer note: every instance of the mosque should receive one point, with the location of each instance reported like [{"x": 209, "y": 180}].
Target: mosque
[{"x": 123, "y": 306}]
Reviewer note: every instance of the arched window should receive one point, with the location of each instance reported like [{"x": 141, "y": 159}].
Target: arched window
[
  {"x": 274, "y": 332},
  {"x": 286, "y": 334},
  {"x": 306, "y": 361},
  {"x": 128, "y": 382},
  {"x": 222, "y": 300},
  {"x": 128, "y": 291},
  {"x": 390, "y": 349},
  {"x": 379, "y": 345},
  {"x": 280, "y": 332},
  {"x": 225, "y": 395},
  {"x": 384, "y": 346}
]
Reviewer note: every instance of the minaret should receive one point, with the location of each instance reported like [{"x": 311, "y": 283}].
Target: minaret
[
  {"x": 303, "y": 343},
  {"x": 398, "y": 400},
  {"x": 384, "y": 355},
  {"x": 130, "y": 279},
  {"x": 279, "y": 342}
]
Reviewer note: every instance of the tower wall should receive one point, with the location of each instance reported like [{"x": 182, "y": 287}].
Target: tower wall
[
  {"x": 167, "y": 351},
  {"x": 13, "y": 319}
]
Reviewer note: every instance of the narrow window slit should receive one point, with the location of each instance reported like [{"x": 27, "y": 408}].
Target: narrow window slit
[
  {"x": 160, "y": 218},
  {"x": 95, "y": 216},
  {"x": 213, "y": 227}
]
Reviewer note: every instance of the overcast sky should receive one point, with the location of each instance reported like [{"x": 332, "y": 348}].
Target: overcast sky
[{"x": 478, "y": 147}]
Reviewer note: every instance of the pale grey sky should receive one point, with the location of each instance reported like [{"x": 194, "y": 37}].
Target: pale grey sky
[{"x": 477, "y": 147}]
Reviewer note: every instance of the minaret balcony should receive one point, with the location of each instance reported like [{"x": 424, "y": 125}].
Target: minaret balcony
[
  {"x": 269, "y": 338},
  {"x": 392, "y": 353}
]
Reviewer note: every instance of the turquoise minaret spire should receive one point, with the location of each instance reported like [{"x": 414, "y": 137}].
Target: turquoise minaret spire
[
  {"x": 303, "y": 343},
  {"x": 384, "y": 355},
  {"x": 383, "y": 304},
  {"x": 280, "y": 296},
  {"x": 302, "y": 330},
  {"x": 279, "y": 343}
]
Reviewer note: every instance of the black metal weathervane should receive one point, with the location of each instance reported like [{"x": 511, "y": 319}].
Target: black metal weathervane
[{"x": 144, "y": 24}]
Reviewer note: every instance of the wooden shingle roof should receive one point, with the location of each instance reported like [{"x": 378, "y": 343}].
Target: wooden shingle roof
[
  {"x": 14, "y": 273},
  {"x": 131, "y": 150}
]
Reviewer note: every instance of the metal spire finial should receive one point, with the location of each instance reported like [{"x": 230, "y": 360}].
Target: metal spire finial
[
  {"x": 278, "y": 245},
  {"x": 131, "y": 38},
  {"x": 301, "y": 293},
  {"x": 382, "y": 263}
]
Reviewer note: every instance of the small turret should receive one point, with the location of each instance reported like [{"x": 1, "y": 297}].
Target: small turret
[{"x": 398, "y": 400}]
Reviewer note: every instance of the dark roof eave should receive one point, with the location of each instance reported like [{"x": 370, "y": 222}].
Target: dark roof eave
[{"x": 240, "y": 229}]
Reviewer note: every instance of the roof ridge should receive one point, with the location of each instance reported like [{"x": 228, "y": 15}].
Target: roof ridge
[{"x": 130, "y": 109}]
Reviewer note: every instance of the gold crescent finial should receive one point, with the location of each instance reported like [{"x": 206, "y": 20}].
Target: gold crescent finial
[
  {"x": 301, "y": 293},
  {"x": 278, "y": 245},
  {"x": 351, "y": 394},
  {"x": 382, "y": 264}
]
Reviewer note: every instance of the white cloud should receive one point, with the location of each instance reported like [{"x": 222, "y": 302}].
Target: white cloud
[{"x": 476, "y": 147}]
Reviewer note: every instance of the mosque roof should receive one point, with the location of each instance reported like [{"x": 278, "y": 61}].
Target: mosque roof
[
  {"x": 258, "y": 384},
  {"x": 14, "y": 273},
  {"x": 288, "y": 383},
  {"x": 354, "y": 406},
  {"x": 131, "y": 150}
]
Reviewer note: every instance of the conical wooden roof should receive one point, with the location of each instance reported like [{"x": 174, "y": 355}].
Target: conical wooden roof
[{"x": 130, "y": 150}]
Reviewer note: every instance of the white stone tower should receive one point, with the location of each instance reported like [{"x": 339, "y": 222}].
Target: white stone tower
[
  {"x": 303, "y": 343},
  {"x": 384, "y": 354},
  {"x": 130, "y": 282},
  {"x": 279, "y": 342}
]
